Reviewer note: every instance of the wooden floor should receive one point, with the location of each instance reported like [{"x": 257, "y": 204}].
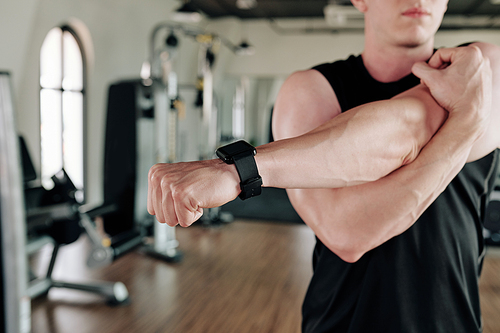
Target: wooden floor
[{"x": 243, "y": 277}]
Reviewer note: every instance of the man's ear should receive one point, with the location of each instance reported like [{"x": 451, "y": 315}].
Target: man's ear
[{"x": 360, "y": 5}]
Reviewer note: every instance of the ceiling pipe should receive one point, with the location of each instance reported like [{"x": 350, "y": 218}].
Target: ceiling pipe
[
  {"x": 473, "y": 7},
  {"x": 450, "y": 22}
]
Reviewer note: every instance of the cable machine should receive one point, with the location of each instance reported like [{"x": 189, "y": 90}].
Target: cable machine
[
  {"x": 168, "y": 108},
  {"x": 142, "y": 128},
  {"x": 158, "y": 73}
]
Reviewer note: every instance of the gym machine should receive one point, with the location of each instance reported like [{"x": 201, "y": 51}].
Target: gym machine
[
  {"x": 168, "y": 108},
  {"x": 136, "y": 115},
  {"x": 55, "y": 217},
  {"x": 32, "y": 217},
  {"x": 157, "y": 71},
  {"x": 142, "y": 129},
  {"x": 15, "y": 308}
]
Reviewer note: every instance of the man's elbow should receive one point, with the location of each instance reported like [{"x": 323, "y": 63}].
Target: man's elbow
[
  {"x": 333, "y": 226},
  {"x": 347, "y": 247},
  {"x": 350, "y": 256}
]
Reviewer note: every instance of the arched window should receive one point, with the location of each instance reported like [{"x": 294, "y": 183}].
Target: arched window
[{"x": 62, "y": 107}]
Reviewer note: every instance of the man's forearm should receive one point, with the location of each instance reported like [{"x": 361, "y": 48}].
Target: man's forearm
[
  {"x": 353, "y": 220},
  {"x": 360, "y": 145}
]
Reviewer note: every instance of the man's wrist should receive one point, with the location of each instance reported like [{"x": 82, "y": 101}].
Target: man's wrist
[
  {"x": 241, "y": 154},
  {"x": 466, "y": 124},
  {"x": 230, "y": 174}
]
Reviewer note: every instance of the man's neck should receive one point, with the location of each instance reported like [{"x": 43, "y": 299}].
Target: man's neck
[{"x": 389, "y": 64}]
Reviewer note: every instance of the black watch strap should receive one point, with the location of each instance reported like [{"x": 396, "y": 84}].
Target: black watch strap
[{"x": 251, "y": 182}]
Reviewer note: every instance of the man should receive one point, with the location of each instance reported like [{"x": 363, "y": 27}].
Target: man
[{"x": 393, "y": 253}]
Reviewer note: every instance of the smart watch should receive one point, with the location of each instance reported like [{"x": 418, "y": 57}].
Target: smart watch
[{"x": 241, "y": 154}]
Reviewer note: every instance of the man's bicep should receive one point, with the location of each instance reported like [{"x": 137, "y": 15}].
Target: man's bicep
[
  {"x": 426, "y": 115},
  {"x": 305, "y": 101}
]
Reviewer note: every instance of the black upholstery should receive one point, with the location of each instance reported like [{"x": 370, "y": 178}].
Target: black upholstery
[
  {"x": 63, "y": 226},
  {"x": 53, "y": 216},
  {"x": 120, "y": 157}
]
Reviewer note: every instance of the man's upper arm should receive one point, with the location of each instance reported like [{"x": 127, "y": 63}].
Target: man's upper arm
[
  {"x": 491, "y": 139},
  {"x": 305, "y": 102},
  {"x": 297, "y": 112}
]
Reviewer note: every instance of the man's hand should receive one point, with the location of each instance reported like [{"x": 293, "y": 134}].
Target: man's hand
[
  {"x": 178, "y": 192},
  {"x": 460, "y": 80}
]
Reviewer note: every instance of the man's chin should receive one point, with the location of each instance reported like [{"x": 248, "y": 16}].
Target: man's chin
[{"x": 416, "y": 40}]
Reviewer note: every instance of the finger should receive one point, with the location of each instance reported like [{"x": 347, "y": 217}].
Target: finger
[
  {"x": 167, "y": 207},
  {"x": 157, "y": 202},
  {"x": 150, "y": 191},
  {"x": 443, "y": 58},
  {"x": 187, "y": 212},
  {"x": 424, "y": 72},
  {"x": 198, "y": 214}
]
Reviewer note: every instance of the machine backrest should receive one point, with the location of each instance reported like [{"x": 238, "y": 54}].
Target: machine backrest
[
  {"x": 29, "y": 172},
  {"x": 121, "y": 156}
]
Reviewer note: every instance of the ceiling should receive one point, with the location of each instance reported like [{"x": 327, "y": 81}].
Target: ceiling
[{"x": 278, "y": 9}]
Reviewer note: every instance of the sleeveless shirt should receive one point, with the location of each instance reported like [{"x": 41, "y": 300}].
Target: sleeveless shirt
[{"x": 422, "y": 281}]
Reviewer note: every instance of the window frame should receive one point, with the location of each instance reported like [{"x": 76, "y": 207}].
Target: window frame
[{"x": 66, "y": 28}]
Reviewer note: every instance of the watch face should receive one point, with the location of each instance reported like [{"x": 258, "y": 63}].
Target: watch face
[{"x": 235, "y": 148}]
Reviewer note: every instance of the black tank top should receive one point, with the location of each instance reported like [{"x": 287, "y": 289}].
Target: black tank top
[{"x": 422, "y": 281}]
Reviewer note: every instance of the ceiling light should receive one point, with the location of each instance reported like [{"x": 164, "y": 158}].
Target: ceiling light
[
  {"x": 244, "y": 48},
  {"x": 187, "y": 13},
  {"x": 246, "y": 4}
]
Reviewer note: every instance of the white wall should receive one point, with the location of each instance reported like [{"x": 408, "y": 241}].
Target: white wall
[
  {"x": 16, "y": 22},
  {"x": 454, "y": 38},
  {"x": 278, "y": 55},
  {"x": 119, "y": 31},
  {"x": 118, "y": 36}
]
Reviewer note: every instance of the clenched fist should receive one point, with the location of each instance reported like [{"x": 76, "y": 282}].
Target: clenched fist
[
  {"x": 178, "y": 192},
  {"x": 460, "y": 80}
]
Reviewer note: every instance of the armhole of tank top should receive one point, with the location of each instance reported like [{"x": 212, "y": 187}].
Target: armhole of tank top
[{"x": 324, "y": 69}]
